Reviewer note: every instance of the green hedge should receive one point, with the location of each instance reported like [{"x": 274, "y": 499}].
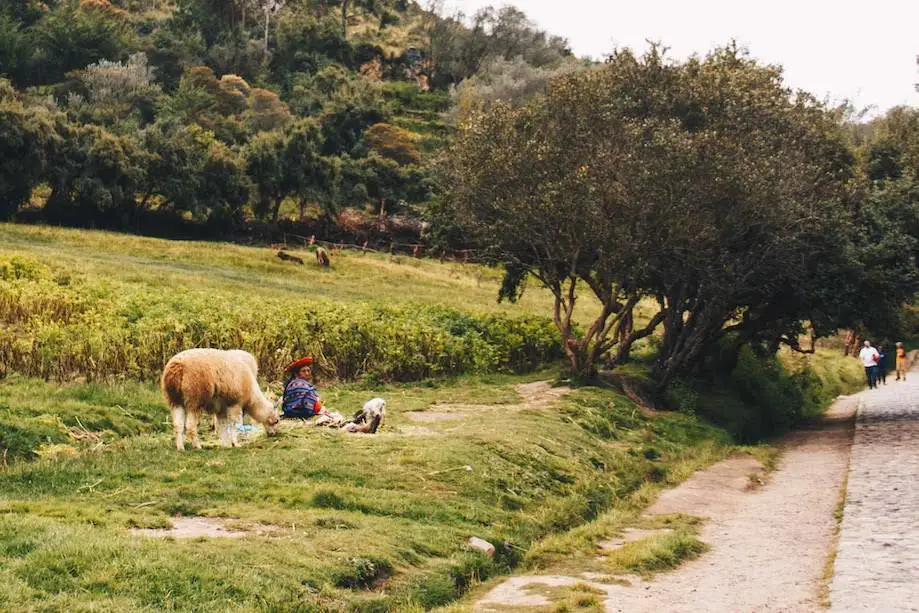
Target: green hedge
[{"x": 56, "y": 327}]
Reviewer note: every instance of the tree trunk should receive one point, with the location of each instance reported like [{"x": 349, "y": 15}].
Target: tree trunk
[
  {"x": 851, "y": 346},
  {"x": 267, "y": 18},
  {"x": 344, "y": 19}
]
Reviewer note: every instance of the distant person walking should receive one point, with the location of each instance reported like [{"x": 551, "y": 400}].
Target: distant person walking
[
  {"x": 869, "y": 357},
  {"x": 882, "y": 366},
  {"x": 901, "y": 361}
]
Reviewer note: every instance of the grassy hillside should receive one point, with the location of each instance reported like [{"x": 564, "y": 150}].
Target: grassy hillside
[
  {"x": 101, "y": 305},
  {"x": 336, "y": 522},
  {"x": 332, "y": 522}
]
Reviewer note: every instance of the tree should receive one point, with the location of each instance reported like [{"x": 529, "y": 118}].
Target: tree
[
  {"x": 343, "y": 124},
  {"x": 27, "y": 141},
  {"x": 513, "y": 80},
  {"x": 15, "y": 49},
  {"x": 192, "y": 171},
  {"x": 265, "y": 167},
  {"x": 458, "y": 48},
  {"x": 306, "y": 44},
  {"x": 289, "y": 163},
  {"x": 117, "y": 92},
  {"x": 95, "y": 177},
  {"x": 266, "y": 111},
  {"x": 895, "y": 149},
  {"x": 704, "y": 188},
  {"x": 374, "y": 7},
  {"x": 74, "y": 35},
  {"x": 308, "y": 175}
]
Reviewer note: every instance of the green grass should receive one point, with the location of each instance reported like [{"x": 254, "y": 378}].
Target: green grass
[
  {"x": 357, "y": 522},
  {"x": 350, "y": 523},
  {"x": 103, "y": 305},
  {"x": 225, "y": 268},
  {"x": 60, "y": 419}
]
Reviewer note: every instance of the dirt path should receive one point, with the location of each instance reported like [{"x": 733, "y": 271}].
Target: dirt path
[
  {"x": 769, "y": 545},
  {"x": 537, "y": 395}
]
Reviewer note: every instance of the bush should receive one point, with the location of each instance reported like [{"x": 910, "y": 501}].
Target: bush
[
  {"x": 57, "y": 329},
  {"x": 361, "y": 572},
  {"x": 760, "y": 399}
]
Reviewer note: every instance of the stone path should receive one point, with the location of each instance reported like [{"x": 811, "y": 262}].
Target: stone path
[{"x": 877, "y": 565}]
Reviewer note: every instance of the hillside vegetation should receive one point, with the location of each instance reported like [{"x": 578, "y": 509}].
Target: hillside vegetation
[
  {"x": 334, "y": 522},
  {"x": 206, "y": 117},
  {"x": 103, "y": 306}
]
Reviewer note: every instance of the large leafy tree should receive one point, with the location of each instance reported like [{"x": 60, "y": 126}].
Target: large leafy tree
[
  {"x": 95, "y": 177},
  {"x": 27, "y": 142},
  {"x": 74, "y": 35},
  {"x": 704, "y": 191},
  {"x": 289, "y": 163},
  {"x": 190, "y": 170}
]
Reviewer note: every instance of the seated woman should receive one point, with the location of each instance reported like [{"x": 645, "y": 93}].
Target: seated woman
[{"x": 301, "y": 400}]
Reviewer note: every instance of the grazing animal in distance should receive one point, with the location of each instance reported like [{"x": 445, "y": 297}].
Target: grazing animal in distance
[
  {"x": 216, "y": 382},
  {"x": 322, "y": 257},
  {"x": 289, "y": 258}
]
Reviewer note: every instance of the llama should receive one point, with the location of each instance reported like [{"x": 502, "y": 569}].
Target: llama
[
  {"x": 217, "y": 382},
  {"x": 288, "y": 257},
  {"x": 322, "y": 257}
]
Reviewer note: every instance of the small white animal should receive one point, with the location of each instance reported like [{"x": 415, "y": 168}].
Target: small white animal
[{"x": 369, "y": 418}]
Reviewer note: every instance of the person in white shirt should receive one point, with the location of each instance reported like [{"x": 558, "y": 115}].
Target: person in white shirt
[{"x": 870, "y": 358}]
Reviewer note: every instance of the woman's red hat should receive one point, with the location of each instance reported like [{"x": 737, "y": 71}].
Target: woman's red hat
[{"x": 298, "y": 364}]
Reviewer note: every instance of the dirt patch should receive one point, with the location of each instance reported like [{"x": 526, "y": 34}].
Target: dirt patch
[
  {"x": 417, "y": 431},
  {"x": 202, "y": 527},
  {"x": 532, "y": 591},
  {"x": 540, "y": 394},
  {"x": 536, "y": 395},
  {"x": 768, "y": 544},
  {"x": 629, "y": 535},
  {"x": 711, "y": 492}
]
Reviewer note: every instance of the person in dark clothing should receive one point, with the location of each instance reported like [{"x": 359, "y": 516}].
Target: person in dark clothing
[{"x": 882, "y": 366}]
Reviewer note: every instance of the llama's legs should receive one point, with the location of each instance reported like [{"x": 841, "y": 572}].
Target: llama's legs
[
  {"x": 223, "y": 429},
  {"x": 191, "y": 426},
  {"x": 235, "y": 417},
  {"x": 178, "y": 425}
]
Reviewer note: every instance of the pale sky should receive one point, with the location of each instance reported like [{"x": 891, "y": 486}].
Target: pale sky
[{"x": 862, "y": 51}]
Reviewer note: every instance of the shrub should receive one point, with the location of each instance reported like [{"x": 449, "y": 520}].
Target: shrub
[
  {"x": 98, "y": 330},
  {"x": 760, "y": 398}
]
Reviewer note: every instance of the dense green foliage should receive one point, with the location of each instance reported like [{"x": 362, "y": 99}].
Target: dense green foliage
[
  {"x": 59, "y": 326},
  {"x": 705, "y": 186},
  {"x": 763, "y": 396},
  {"x": 140, "y": 114}
]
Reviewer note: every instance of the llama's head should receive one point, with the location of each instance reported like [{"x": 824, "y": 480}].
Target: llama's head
[{"x": 264, "y": 411}]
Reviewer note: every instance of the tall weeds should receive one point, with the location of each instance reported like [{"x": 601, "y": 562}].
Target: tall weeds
[{"x": 60, "y": 327}]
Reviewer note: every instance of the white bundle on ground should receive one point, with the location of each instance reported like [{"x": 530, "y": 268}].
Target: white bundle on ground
[{"x": 367, "y": 420}]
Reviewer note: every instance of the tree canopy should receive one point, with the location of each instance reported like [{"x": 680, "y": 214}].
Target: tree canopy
[{"x": 704, "y": 188}]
